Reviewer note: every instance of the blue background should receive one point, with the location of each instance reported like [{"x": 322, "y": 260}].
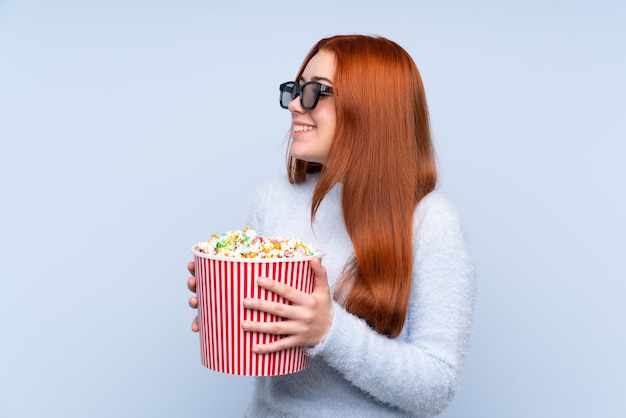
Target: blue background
[{"x": 130, "y": 130}]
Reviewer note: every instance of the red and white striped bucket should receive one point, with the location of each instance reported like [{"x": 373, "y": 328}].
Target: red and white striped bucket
[{"x": 222, "y": 284}]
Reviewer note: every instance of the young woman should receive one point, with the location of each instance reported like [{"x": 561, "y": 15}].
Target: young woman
[{"x": 389, "y": 322}]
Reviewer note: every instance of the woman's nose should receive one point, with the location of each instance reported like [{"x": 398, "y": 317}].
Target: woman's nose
[{"x": 295, "y": 105}]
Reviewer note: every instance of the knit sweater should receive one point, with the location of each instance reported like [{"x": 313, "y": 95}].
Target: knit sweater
[{"x": 354, "y": 371}]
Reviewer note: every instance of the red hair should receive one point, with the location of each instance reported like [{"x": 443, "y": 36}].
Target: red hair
[{"x": 383, "y": 156}]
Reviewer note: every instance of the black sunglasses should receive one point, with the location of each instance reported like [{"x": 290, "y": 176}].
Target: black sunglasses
[{"x": 309, "y": 93}]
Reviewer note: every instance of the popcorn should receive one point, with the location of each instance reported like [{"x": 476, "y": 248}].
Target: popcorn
[{"x": 249, "y": 244}]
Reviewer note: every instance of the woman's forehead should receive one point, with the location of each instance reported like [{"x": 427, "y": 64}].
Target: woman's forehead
[{"x": 321, "y": 67}]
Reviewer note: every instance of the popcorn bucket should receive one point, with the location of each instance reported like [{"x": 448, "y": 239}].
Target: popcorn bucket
[{"x": 222, "y": 284}]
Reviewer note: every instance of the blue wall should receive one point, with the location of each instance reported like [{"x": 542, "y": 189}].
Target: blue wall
[{"x": 129, "y": 130}]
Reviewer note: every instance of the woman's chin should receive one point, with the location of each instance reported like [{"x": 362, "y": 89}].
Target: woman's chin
[{"x": 308, "y": 157}]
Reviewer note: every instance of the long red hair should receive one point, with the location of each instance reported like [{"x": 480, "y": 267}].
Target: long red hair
[{"x": 383, "y": 156}]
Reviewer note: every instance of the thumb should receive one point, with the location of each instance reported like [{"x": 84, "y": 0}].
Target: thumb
[{"x": 321, "y": 281}]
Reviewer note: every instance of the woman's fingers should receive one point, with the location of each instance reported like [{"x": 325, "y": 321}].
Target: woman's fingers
[
  {"x": 283, "y": 343},
  {"x": 276, "y": 308},
  {"x": 193, "y": 301},
  {"x": 304, "y": 322},
  {"x": 191, "y": 284},
  {"x": 293, "y": 294},
  {"x": 275, "y": 328},
  {"x": 290, "y": 293}
]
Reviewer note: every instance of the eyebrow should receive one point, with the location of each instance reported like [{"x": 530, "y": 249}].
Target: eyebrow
[{"x": 318, "y": 79}]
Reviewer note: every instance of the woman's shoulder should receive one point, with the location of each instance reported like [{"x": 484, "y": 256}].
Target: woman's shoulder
[
  {"x": 436, "y": 202},
  {"x": 436, "y": 213}
]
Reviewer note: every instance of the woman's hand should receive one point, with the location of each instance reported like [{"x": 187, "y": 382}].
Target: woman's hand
[
  {"x": 306, "y": 320},
  {"x": 193, "y": 301}
]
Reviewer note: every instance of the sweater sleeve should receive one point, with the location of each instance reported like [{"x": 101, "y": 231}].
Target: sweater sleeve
[{"x": 419, "y": 371}]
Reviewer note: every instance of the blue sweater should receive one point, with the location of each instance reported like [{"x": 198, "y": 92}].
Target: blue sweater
[{"x": 354, "y": 371}]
